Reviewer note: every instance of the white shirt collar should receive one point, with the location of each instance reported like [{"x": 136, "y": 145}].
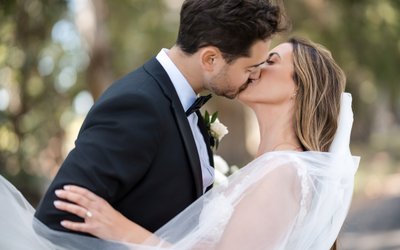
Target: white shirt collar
[{"x": 185, "y": 92}]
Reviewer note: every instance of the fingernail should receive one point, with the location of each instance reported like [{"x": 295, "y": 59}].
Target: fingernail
[
  {"x": 67, "y": 187},
  {"x": 57, "y": 203},
  {"x": 58, "y": 192},
  {"x": 63, "y": 223}
]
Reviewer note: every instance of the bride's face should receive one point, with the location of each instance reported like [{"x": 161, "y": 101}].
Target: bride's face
[{"x": 276, "y": 85}]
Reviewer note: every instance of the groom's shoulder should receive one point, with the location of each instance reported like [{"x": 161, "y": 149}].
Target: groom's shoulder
[
  {"x": 139, "y": 78},
  {"x": 140, "y": 81}
]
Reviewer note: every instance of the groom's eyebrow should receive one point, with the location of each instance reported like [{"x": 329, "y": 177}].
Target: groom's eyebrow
[{"x": 256, "y": 65}]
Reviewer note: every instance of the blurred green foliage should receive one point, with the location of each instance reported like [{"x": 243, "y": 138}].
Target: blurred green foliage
[
  {"x": 30, "y": 119},
  {"x": 363, "y": 36}
]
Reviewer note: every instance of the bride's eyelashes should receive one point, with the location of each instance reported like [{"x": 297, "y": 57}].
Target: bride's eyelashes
[{"x": 272, "y": 58}]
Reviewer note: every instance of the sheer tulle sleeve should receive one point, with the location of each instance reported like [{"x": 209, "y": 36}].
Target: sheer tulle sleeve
[
  {"x": 282, "y": 200},
  {"x": 265, "y": 215}
]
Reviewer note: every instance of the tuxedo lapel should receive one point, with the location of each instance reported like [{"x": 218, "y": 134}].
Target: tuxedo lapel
[
  {"x": 206, "y": 136},
  {"x": 154, "y": 68},
  {"x": 204, "y": 131}
]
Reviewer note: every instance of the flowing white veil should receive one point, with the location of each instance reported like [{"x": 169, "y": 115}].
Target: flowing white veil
[{"x": 281, "y": 200}]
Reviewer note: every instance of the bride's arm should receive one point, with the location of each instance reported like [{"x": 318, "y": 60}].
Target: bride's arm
[
  {"x": 264, "y": 217},
  {"x": 100, "y": 218}
]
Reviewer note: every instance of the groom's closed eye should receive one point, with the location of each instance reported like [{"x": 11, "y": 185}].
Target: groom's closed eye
[{"x": 255, "y": 66}]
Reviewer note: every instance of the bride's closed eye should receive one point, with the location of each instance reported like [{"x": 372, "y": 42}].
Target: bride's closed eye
[{"x": 272, "y": 58}]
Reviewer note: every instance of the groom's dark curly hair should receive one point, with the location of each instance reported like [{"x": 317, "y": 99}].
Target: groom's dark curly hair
[{"x": 232, "y": 26}]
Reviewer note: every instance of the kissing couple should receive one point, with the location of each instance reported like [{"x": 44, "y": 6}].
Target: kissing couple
[{"x": 141, "y": 173}]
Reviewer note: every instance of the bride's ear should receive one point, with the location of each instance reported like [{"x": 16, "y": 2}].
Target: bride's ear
[
  {"x": 210, "y": 57},
  {"x": 293, "y": 96}
]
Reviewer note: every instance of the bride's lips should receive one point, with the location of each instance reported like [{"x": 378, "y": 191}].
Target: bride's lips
[
  {"x": 251, "y": 82},
  {"x": 247, "y": 84},
  {"x": 243, "y": 87}
]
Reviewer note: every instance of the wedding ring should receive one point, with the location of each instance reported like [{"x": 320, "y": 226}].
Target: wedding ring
[{"x": 88, "y": 214}]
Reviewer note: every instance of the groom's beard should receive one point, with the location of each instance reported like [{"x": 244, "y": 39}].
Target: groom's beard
[
  {"x": 244, "y": 86},
  {"x": 240, "y": 90},
  {"x": 226, "y": 89},
  {"x": 230, "y": 93}
]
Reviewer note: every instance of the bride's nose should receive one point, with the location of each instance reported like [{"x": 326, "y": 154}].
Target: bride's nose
[{"x": 255, "y": 75}]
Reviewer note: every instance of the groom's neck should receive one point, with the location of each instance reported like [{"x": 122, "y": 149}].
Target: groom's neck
[{"x": 189, "y": 66}]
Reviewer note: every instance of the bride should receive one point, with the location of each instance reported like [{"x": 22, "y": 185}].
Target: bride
[{"x": 294, "y": 195}]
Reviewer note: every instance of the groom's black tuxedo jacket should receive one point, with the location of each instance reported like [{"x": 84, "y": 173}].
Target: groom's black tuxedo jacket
[{"x": 136, "y": 150}]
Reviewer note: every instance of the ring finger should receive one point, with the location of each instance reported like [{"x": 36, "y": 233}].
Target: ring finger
[
  {"x": 74, "y": 209},
  {"x": 73, "y": 197}
]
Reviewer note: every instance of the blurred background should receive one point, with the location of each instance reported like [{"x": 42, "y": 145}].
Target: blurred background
[{"x": 57, "y": 57}]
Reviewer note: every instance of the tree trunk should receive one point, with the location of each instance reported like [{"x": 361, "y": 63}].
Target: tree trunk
[{"x": 91, "y": 23}]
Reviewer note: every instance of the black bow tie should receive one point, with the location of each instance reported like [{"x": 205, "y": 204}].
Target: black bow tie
[{"x": 200, "y": 101}]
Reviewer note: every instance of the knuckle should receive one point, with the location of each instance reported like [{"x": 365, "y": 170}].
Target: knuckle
[
  {"x": 79, "y": 200},
  {"x": 85, "y": 192}
]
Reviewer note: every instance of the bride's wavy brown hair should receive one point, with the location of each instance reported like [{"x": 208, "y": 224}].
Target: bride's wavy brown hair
[{"x": 320, "y": 82}]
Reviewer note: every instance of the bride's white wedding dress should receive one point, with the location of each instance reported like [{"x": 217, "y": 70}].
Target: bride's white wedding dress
[{"x": 281, "y": 200}]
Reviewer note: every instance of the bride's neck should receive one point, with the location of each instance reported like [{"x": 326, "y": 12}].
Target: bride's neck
[{"x": 276, "y": 129}]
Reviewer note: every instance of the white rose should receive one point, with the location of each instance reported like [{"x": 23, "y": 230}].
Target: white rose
[
  {"x": 218, "y": 129},
  {"x": 220, "y": 179},
  {"x": 221, "y": 169},
  {"x": 220, "y": 164}
]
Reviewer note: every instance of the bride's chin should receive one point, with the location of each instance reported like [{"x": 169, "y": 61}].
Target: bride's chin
[{"x": 243, "y": 98}]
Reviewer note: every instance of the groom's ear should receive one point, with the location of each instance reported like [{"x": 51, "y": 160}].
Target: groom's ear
[{"x": 209, "y": 57}]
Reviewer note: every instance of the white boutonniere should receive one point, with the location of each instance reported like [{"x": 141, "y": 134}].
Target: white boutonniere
[{"x": 216, "y": 130}]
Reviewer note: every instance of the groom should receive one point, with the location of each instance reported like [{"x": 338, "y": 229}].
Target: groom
[{"x": 142, "y": 147}]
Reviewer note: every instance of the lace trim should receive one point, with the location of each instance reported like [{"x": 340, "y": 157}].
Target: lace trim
[{"x": 305, "y": 191}]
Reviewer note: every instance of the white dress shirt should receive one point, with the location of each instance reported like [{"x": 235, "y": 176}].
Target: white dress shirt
[{"x": 187, "y": 96}]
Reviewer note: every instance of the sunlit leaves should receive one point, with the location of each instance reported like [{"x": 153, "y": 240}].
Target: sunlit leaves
[{"x": 9, "y": 139}]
